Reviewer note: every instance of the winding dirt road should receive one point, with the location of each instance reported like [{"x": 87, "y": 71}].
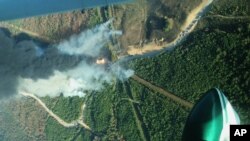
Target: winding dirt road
[
  {"x": 74, "y": 123},
  {"x": 187, "y": 27}
]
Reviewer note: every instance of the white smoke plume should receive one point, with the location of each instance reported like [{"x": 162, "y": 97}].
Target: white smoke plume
[
  {"x": 68, "y": 68},
  {"x": 71, "y": 83},
  {"x": 88, "y": 42}
]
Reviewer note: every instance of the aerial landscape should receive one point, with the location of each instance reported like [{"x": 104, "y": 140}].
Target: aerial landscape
[{"x": 132, "y": 71}]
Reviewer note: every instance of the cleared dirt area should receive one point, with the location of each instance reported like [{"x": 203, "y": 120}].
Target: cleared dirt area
[
  {"x": 188, "y": 26},
  {"x": 148, "y": 24},
  {"x": 193, "y": 14}
]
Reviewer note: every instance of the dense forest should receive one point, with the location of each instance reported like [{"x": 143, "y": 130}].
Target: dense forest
[{"x": 215, "y": 54}]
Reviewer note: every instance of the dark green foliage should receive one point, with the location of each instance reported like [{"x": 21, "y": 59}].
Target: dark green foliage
[
  {"x": 231, "y": 7},
  {"x": 217, "y": 54},
  {"x": 109, "y": 117},
  {"x": 56, "y": 132},
  {"x": 100, "y": 112},
  {"x": 164, "y": 119},
  {"x": 127, "y": 122},
  {"x": 205, "y": 60},
  {"x": 68, "y": 108},
  {"x": 94, "y": 18}
]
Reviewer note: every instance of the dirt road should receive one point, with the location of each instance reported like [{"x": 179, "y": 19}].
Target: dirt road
[
  {"x": 188, "y": 26},
  {"x": 162, "y": 91},
  {"x": 74, "y": 123},
  {"x": 230, "y": 17},
  {"x": 194, "y": 13}
]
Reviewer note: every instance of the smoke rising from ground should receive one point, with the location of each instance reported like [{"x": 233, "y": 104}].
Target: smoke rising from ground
[
  {"x": 68, "y": 68},
  {"x": 89, "y": 42}
]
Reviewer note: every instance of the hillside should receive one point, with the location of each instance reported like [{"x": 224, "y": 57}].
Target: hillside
[{"x": 215, "y": 54}]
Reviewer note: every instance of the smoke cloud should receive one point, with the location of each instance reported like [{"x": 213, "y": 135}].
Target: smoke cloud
[
  {"x": 89, "y": 42},
  {"x": 68, "y": 68}
]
